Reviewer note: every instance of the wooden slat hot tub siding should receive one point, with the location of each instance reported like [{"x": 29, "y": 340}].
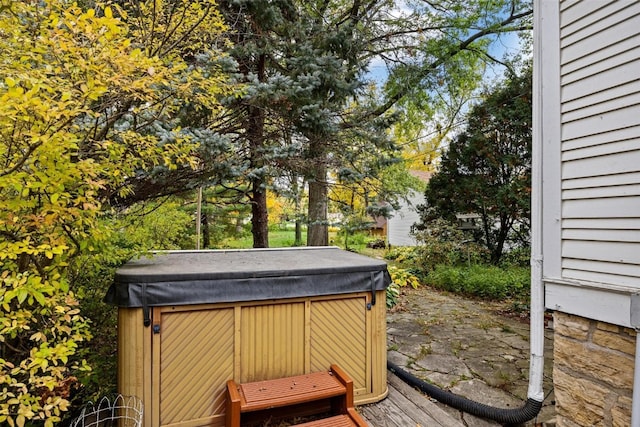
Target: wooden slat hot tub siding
[{"x": 181, "y": 372}]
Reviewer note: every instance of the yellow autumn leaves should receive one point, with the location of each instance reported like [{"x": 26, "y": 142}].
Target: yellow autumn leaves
[{"x": 77, "y": 87}]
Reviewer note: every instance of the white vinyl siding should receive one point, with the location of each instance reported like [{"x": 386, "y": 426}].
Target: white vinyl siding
[
  {"x": 399, "y": 225},
  {"x": 600, "y": 142}
]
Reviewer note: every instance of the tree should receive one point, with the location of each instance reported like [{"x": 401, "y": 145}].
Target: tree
[
  {"x": 187, "y": 37},
  {"x": 294, "y": 58},
  {"x": 486, "y": 170},
  {"x": 81, "y": 98},
  {"x": 304, "y": 64}
]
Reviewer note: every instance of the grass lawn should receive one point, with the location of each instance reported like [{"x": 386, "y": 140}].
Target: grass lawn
[
  {"x": 285, "y": 239},
  {"x": 277, "y": 239}
]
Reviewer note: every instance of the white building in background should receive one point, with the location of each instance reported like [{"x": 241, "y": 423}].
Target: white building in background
[{"x": 399, "y": 225}]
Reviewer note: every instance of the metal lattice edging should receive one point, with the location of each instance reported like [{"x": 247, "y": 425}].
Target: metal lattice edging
[{"x": 121, "y": 411}]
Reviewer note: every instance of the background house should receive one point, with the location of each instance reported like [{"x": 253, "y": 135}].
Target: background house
[
  {"x": 378, "y": 227},
  {"x": 587, "y": 203},
  {"x": 399, "y": 225}
]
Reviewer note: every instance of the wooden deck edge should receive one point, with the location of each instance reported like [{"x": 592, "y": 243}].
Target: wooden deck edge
[{"x": 405, "y": 406}]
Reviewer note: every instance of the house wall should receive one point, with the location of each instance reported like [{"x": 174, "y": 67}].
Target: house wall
[
  {"x": 600, "y": 141},
  {"x": 587, "y": 135},
  {"x": 588, "y": 63},
  {"x": 399, "y": 225}
]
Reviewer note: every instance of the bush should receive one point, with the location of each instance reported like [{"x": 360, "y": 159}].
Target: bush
[
  {"x": 146, "y": 226},
  {"x": 434, "y": 253},
  {"x": 393, "y": 292},
  {"x": 482, "y": 281},
  {"x": 443, "y": 243},
  {"x": 376, "y": 244},
  {"x": 403, "y": 277},
  {"x": 402, "y": 255},
  {"x": 356, "y": 239},
  {"x": 400, "y": 278},
  {"x": 519, "y": 257}
]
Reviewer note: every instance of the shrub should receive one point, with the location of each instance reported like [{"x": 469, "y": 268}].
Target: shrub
[
  {"x": 80, "y": 105},
  {"x": 377, "y": 244},
  {"x": 402, "y": 254},
  {"x": 146, "y": 226},
  {"x": 434, "y": 253},
  {"x": 519, "y": 257},
  {"x": 393, "y": 292},
  {"x": 403, "y": 277},
  {"x": 444, "y": 243},
  {"x": 400, "y": 278},
  {"x": 482, "y": 281}
]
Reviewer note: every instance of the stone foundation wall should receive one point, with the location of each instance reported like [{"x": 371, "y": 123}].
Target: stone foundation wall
[{"x": 592, "y": 372}]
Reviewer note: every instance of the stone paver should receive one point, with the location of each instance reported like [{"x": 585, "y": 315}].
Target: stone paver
[{"x": 468, "y": 347}]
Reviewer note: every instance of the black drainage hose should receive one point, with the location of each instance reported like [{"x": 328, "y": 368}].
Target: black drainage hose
[{"x": 516, "y": 416}]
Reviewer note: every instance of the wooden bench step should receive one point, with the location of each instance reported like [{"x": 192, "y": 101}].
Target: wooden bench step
[
  {"x": 351, "y": 418},
  {"x": 260, "y": 395},
  {"x": 299, "y": 395},
  {"x": 335, "y": 421}
]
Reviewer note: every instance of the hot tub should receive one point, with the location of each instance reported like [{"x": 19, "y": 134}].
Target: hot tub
[{"x": 188, "y": 321}]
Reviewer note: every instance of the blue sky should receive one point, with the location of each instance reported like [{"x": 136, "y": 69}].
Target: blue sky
[{"x": 503, "y": 45}]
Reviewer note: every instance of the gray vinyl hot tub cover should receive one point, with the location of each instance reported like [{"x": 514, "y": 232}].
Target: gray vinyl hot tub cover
[{"x": 201, "y": 277}]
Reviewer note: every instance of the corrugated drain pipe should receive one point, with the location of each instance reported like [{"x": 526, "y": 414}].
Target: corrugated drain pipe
[{"x": 515, "y": 416}]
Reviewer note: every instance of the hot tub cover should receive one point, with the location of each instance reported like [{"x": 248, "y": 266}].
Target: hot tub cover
[{"x": 212, "y": 276}]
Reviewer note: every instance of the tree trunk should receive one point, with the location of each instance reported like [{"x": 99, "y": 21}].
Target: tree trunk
[
  {"x": 318, "y": 230},
  {"x": 501, "y": 238},
  {"x": 206, "y": 238},
  {"x": 295, "y": 188},
  {"x": 298, "y": 239},
  {"x": 259, "y": 214},
  {"x": 258, "y": 196}
]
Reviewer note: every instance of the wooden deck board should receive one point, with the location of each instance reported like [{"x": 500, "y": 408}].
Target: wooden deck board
[{"x": 406, "y": 407}]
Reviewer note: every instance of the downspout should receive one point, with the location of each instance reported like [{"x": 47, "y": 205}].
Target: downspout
[
  {"x": 535, "y": 393},
  {"x": 536, "y": 327},
  {"x": 635, "y": 323},
  {"x": 635, "y": 401}
]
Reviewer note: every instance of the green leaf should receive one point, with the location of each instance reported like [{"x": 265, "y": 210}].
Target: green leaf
[
  {"x": 22, "y": 295},
  {"x": 40, "y": 298}
]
